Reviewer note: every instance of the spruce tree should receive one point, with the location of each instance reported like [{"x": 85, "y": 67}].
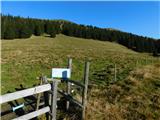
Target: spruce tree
[
  {"x": 37, "y": 30},
  {"x": 9, "y": 32},
  {"x": 25, "y": 32}
]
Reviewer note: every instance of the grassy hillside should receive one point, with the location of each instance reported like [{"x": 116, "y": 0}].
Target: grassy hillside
[
  {"x": 135, "y": 98},
  {"x": 24, "y": 60}
]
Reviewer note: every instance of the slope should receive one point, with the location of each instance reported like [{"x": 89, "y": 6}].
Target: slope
[
  {"x": 135, "y": 98},
  {"x": 25, "y": 59}
]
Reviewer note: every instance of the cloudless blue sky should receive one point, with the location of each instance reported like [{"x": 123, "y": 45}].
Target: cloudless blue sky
[{"x": 142, "y": 18}]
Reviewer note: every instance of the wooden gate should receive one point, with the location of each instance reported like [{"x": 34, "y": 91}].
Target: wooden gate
[{"x": 50, "y": 90}]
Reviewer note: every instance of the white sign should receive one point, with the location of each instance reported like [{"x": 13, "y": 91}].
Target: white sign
[{"x": 61, "y": 73}]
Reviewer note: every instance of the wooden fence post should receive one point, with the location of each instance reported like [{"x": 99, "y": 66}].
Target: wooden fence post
[
  {"x": 84, "y": 97},
  {"x": 68, "y": 83},
  {"x": 46, "y": 96},
  {"x": 54, "y": 99}
]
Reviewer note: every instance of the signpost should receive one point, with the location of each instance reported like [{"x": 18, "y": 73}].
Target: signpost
[{"x": 63, "y": 73}]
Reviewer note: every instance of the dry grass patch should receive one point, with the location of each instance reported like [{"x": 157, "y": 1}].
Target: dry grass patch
[{"x": 137, "y": 97}]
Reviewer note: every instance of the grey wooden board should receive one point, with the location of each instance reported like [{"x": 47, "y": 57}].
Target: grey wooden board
[
  {"x": 24, "y": 93},
  {"x": 84, "y": 98},
  {"x": 76, "y": 83},
  {"x": 54, "y": 99},
  {"x": 33, "y": 114},
  {"x": 53, "y": 79},
  {"x": 68, "y": 83}
]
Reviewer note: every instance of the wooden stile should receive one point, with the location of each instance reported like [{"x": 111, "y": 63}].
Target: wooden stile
[
  {"x": 50, "y": 95},
  {"x": 24, "y": 93}
]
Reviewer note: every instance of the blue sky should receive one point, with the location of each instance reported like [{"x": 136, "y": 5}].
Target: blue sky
[{"x": 142, "y": 18}]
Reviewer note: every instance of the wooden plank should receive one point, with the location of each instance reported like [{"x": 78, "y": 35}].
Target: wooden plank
[
  {"x": 53, "y": 79},
  {"x": 76, "y": 83},
  {"x": 46, "y": 97},
  {"x": 24, "y": 93},
  {"x": 84, "y": 97},
  {"x": 54, "y": 99},
  {"x": 68, "y": 83},
  {"x": 33, "y": 114}
]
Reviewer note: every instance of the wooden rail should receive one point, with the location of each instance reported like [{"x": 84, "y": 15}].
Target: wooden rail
[
  {"x": 48, "y": 109},
  {"x": 76, "y": 83},
  {"x": 24, "y": 93},
  {"x": 33, "y": 114}
]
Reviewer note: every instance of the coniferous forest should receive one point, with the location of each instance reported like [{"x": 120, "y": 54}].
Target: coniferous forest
[{"x": 17, "y": 27}]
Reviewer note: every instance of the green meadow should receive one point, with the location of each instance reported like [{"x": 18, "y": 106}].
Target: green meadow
[{"x": 131, "y": 95}]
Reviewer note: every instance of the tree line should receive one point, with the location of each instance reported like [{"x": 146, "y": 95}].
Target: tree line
[{"x": 17, "y": 27}]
